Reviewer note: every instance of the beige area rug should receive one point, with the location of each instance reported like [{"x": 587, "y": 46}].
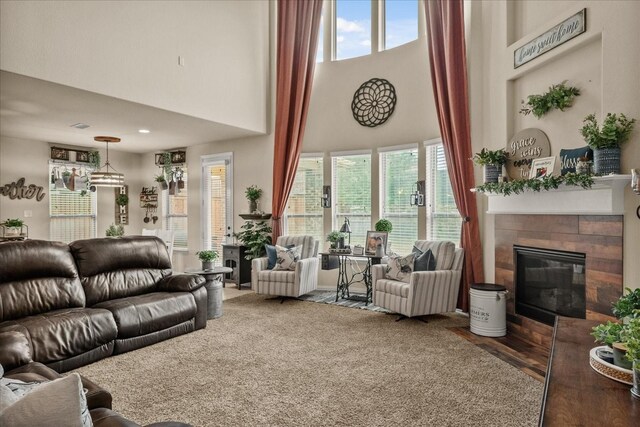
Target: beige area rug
[{"x": 307, "y": 364}]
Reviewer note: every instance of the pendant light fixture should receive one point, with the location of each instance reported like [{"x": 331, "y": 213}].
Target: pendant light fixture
[{"x": 102, "y": 177}]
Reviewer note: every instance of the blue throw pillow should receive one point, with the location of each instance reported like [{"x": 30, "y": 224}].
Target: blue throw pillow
[
  {"x": 272, "y": 255},
  {"x": 425, "y": 261},
  {"x": 569, "y": 158}
]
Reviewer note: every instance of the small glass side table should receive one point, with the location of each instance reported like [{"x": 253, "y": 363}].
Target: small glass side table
[{"x": 214, "y": 281}]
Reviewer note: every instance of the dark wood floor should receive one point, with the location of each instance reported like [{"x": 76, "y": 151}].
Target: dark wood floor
[{"x": 530, "y": 358}]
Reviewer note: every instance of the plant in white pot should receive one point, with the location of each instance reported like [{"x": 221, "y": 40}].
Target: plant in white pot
[
  {"x": 605, "y": 140},
  {"x": 207, "y": 258},
  {"x": 492, "y": 162},
  {"x": 13, "y": 227}
]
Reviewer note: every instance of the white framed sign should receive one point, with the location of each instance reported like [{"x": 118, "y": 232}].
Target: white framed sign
[
  {"x": 561, "y": 33},
  {"x": 542, "y": 167}
]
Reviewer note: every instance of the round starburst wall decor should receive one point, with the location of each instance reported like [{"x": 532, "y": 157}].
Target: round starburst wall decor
[{"x": 374, "y": 102}]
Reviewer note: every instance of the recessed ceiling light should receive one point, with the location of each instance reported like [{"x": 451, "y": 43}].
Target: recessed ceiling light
[
  {"x": 79, "y": 126},
  {"x": 144, "y": 131}
]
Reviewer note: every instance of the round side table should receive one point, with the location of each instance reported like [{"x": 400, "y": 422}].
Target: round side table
[{"x": 214, "y": 280}]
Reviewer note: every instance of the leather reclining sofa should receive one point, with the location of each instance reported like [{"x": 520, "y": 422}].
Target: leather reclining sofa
[{"x": 88, "y": 300}]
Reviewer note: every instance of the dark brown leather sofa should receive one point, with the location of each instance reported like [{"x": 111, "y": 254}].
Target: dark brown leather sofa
[{"x": 85, "y": 301}]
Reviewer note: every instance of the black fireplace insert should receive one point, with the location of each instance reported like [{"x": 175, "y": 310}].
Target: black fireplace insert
[{"x": 549, "y": 283}]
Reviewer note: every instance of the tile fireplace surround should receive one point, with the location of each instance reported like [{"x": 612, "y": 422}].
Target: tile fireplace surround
[
  {"x": 597, "y": 236},
  {"x": 570, "y": 219}
]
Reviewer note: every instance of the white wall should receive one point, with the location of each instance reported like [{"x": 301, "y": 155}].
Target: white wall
[
  {"x": 130, "y": 50},
  {"x": 603, "y": 63},
  {"x": 30, "y": 159}
]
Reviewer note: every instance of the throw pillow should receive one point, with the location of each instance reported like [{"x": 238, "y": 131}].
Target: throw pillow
[
  {"x": 400, "y": 268},
  {"x": 287, "y": 257},
  {"x": 272, "y": 255},
  {"x": 42, "y": 405},
  {"x": 569, "y": 158},
  {"x": 425, "y": 261}
]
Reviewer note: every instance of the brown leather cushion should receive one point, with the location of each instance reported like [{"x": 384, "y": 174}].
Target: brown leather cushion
[
  {"x": 42, "y": 277},
  {"x": 15, "y": 349},
  {"x": 61, "y": 334},
  {"x": 118, "y": 268},
  {"x": 143, "y": 314}
]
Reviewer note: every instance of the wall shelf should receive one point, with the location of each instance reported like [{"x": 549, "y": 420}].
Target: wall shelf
[{"x": 605, "y": 197}]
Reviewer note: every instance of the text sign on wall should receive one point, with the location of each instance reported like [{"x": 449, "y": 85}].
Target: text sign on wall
[
  {"x": 559, "y": 34},
  {"x": 526, "y": 145},
  {"x": 17, "y": 190}
]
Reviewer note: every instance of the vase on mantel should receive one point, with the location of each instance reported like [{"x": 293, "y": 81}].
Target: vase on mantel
[
  {"x": 253, "y": 206},
  {"x": 606, "y": 160},
  {"x": 491, "y": 173}
]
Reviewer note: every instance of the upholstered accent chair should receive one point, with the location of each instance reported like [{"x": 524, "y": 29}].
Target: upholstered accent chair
[
  {"x": 288, "y": 283},
  {"x": 427, "y": 292}
]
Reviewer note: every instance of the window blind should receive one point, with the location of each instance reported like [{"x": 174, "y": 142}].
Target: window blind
[
  {"x": 176, "y": 212},
  {"x": 351, "y": 187},
  {"x": 72, "y": 215},
  {"x": 217, "y": 198},
  {"x": 443, "y": 219},
  {"x": 398, "y": 176},
  {"x": 304, "y": 213}
]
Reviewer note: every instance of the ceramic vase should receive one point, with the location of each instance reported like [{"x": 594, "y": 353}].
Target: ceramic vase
[{"x": 606, "y": 160}]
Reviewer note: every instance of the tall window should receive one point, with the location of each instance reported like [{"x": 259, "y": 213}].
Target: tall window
[
  {"x": 401, "y": 22},
  {"x": 72, "y": 214},
  {"x": 304, "y": 213},
  {"x": 398, "y": 176},
  {"x": 176, "y": 215},
  {"x": 351, "y": 185},
  {"x": 353, "y": 28},
  {"x": 443, "y": 218}
]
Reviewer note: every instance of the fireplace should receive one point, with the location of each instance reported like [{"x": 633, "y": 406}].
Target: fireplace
[{"x": 549, "y": 283}]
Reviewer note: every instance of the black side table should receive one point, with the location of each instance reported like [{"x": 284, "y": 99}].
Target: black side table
[{"x": 344, "y": 281}]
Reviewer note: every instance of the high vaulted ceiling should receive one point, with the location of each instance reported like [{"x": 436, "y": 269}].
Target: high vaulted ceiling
[{"x": 35, "y": 109}]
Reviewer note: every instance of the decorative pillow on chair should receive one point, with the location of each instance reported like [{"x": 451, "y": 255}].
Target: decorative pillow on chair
[
  {"x": 400, "y": 268},
  {"x": 287, "y": 257},
  {"x": 272, "y": 255},
  {"x": 425, "y": 261}
]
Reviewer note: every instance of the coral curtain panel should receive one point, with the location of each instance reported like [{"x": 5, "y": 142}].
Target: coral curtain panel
[
  {"x": 448, "y": 61},
  {"x": 298, "y": 26}
]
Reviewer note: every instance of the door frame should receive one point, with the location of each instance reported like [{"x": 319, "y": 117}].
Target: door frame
[{"x": 205, "y": 162}]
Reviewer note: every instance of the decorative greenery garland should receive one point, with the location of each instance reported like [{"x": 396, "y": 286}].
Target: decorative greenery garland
[
  {"x": 559, "y": 97},
  {"x": 547, "y": 183}
]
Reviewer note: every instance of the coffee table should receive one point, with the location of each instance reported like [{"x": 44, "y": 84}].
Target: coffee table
[{"x": 214, "y": 282}]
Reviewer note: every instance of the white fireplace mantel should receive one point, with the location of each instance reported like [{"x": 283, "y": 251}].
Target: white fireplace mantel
[{"x": 605, "y": 197}]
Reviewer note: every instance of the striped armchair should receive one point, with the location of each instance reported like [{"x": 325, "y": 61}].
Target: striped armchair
[
  {"x": 427, "y": 292},
  {"x": 288, "y": 283}
]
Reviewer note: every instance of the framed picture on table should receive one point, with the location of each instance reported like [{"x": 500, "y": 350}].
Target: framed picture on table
[
  {"x": 374, "y": 238},
  {"x": 542, "y": 167}
]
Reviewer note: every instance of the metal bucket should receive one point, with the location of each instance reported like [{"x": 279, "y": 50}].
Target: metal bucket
[{"x": 488, "y": 310}]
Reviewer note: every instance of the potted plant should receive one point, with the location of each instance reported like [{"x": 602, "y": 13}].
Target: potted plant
[
  {"x": 115, "y": 230},
  {"x": 631, "y": 337},
  {"x": 609, "y": 335},
  {"x": 254, "y": 236},
  {"x": 384, "y": 225},
  {"x": 122, "y": 199},
  {"x": 334, "y": 238},
  {"x": 606, "y": 140},
  {"x": 492, "y": 162},
  {"x": 626, "y": 305},
  {"x": 207, "y": 258},
  {"x": 13, "y": 227},
  {"x": 253, "y": 193},
  {"x": 162, "y": 182}
]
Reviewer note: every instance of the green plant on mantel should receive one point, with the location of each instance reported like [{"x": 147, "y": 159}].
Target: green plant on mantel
[
  {"x": 488, "y": 157},
  {"x": 559, "y": 97},
  {"x": 546, "y": 183},
  {"x": 615, "y": 131}
]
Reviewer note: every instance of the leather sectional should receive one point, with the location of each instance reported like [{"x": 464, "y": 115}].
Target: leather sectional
[{"x": 88, "y": 300}]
